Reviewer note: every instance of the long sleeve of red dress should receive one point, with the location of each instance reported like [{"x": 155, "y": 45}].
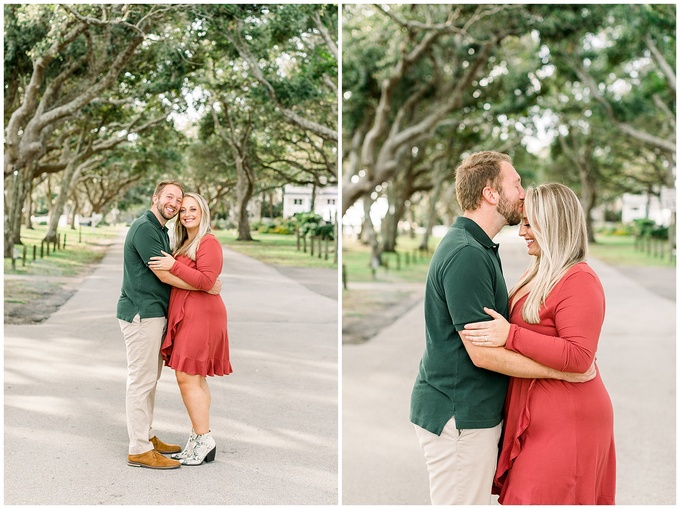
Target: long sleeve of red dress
[
  {"x": 578, "y": 315},
  {"x": 208, "y": 265},
  {"x": 196, "y": 341},
  {"x": 558, "y": 437}
]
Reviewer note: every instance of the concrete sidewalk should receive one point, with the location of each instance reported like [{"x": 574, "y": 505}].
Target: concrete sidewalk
[
  {"x": 275, "y": 418},
  {"x": 382, "y": 462}
]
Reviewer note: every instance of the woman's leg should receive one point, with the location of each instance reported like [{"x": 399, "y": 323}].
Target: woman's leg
[{"x": 196, "y": 397}]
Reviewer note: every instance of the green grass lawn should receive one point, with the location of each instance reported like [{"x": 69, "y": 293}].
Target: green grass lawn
[
  {"x": 407, "y": 265},
  {"x": 276, "y": 249},
  {"x": 620, "y": 250},
  {"x": 83, "y": 248}
]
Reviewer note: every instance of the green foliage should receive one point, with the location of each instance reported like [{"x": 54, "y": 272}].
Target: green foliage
[
  {"x": 618, "y": 230},
  {"x": 279, "y": 226},
  {"x": 648, "y": 228},
  {"x": 312, "y": 224}
]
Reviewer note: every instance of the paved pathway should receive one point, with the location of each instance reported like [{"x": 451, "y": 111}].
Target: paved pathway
[
  {"x": 382, "y": 462},
  {"x": 275, "y": 419}
]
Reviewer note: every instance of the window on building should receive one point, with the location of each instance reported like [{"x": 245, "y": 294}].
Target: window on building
[
  {"x": 330, "y": 201},
  {"x": 297, "y": 201}
]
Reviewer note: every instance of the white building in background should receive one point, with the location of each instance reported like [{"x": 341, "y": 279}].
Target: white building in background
[
  {"x": 634, "y": 206},
  {"x": 299, "y": 199}
]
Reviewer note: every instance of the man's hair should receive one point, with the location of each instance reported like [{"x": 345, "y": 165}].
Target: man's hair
[
  {"x": 477, "y": 171},
  {"x": 161, "y": 185}
]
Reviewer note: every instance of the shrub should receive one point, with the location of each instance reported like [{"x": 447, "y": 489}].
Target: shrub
[
  {"x": 282, "y": 229},
  {"x": 313, "y": 224},
  {"x": 644, "y": 227},
  {"x": 660, "y": 232}
]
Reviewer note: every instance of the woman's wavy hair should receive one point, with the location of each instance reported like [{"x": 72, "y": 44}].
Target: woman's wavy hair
[
  {"x": 180, "y": 232},
  {"x": 559, "y": 226}
]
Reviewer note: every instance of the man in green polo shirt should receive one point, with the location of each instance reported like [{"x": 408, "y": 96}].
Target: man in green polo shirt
[
  {"x": 142, "y": 315},
  {"x": 458, "y": 396}
]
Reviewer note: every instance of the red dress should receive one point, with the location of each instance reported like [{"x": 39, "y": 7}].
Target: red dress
[
  {"x": 196, "y": 341},
  {"x": 558, "y": 438}
]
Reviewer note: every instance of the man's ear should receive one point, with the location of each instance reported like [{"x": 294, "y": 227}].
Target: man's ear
[{"x": 490, "y": 195}]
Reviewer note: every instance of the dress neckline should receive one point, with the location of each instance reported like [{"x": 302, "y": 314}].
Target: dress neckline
[{"x": 515, "y": 303}]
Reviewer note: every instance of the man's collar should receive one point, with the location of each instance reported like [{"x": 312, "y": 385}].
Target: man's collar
[
  {"x": 152, "y": 217},
  {"x": 476, "y": 231}
]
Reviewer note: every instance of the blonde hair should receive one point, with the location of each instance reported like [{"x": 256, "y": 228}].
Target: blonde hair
[
  {"x": 477, "y": 171},
  {"x": 559, "y": 226},
  {"x": 180, "y": 232}
]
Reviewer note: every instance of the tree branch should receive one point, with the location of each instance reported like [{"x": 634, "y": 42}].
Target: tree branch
[
  {"x": 666, "y": 69},
  {"x": 316, "y": 17},
  {"x": 643, "y": 136}
]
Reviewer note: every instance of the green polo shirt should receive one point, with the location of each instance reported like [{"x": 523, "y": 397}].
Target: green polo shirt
[
  {"x": 465, "y": 275},
  {"x": 142, "y": 291}
]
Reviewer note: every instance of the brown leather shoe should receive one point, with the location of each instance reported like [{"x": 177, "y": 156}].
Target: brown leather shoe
[
  {"x": 164, "y": 448},
  {"x": 152, "y": 459}
]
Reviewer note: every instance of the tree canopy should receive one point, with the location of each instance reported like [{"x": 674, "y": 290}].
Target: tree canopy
[
  {"x": 99, "y": 94},
  {"x": 579, "y": 93}
]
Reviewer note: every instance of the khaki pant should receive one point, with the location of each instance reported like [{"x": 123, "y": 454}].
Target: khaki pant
[
  {"x": 461, "y": 463},
  {"x": 143, "y": 339}
]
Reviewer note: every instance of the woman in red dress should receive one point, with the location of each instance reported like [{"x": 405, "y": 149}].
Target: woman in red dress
[
  {"x": 558, "y": 437},
  {"x": 196, "y": 343}
]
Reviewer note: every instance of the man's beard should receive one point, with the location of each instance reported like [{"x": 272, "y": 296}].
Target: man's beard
[
  {"x": 161, "y": 208},
  {"x": 510, "y": 213}
]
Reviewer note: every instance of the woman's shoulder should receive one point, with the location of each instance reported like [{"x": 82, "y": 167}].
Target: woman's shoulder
[
  {"x": 209, "y": 237},
  {"x": 581, "y": 268},
  {"x": 209, "y": 241},
  {"x": 580, "y": 275}
]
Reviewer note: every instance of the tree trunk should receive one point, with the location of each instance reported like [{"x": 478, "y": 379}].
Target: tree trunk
[
  {"x": 20, "y": 185},
  {"x": 588, "y": 197},
  {"x": 313, "y": 200},
  {"x": 372, "y": 240},
  {"x": 395, "y": 213},
  {"x": 336, "y": 238},
  {"x": 366, "y": 225},
  {"x": 76, "y": 207},
  {"x": 244, "y": 191},
  {"x": 433, "y": 198},
  {"x": 70, "y": 174},
  {"x": 29, "y": 207}
]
